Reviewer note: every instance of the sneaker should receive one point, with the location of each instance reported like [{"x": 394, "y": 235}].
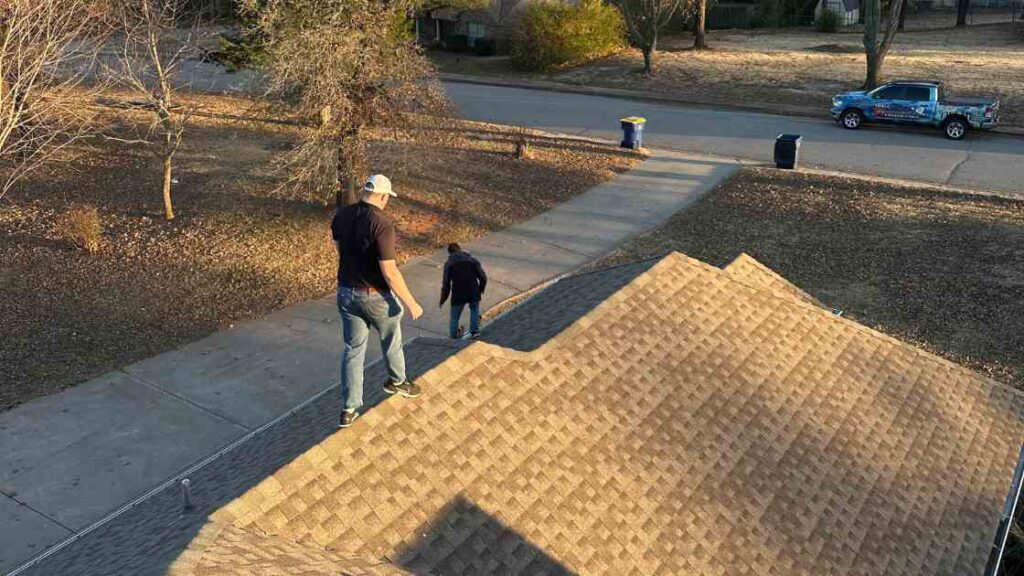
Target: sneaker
[
  {"x": 347, "y": 418},
  {"x": 474, "y": 335},
  {"x": 407, "y": 389}
]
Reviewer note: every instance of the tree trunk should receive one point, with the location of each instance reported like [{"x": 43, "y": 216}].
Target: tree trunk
[
  {"x": 349, "y": 167},
  {"x": 648, "y": 51},
  {"x": 699, "y": 42},
  {"x": 962, "y": 8},
  {"x": 875, "y": 62},
  {"x": 348, "y": 189},
  {"x": 168, "y": 207},
  {"x": 903, "y": 15}
]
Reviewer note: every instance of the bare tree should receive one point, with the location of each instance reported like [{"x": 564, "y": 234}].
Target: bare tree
[
  {"x": 880, "y": 22},
  {"x": 47, "y": 50},
  {"x": 645, "y": 19},
  {"x": 348, "y": 68},
  {"x": 699, "y": 25},
  {"x": 150, "y": 57}
]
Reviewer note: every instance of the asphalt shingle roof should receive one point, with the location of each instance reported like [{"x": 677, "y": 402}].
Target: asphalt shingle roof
[
  {"x": 663, "y": 417},
  {"x": 689, "y": 423}
]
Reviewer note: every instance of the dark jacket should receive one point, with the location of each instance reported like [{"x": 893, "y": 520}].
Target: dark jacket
[{"x": 464, "y": 279}]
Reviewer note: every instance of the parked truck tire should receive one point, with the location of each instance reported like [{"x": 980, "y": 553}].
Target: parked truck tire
[
  {"x": 851, "y": 119},
  {"x": 955, "y": 127}
]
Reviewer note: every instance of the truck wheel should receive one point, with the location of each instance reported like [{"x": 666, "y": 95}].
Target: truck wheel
[
  {"x": 955, "y": 128},
  {"x": 852, "y": 119}
]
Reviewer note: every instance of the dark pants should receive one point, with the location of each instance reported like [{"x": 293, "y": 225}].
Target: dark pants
[{"x": 474, "y": 318}]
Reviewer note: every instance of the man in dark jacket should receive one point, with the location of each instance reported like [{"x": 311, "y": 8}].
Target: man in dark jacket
[{"x": 465, "y": 281}]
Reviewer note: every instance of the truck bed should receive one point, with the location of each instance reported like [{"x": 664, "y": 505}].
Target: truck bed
[{"x": 969, "y": 101}]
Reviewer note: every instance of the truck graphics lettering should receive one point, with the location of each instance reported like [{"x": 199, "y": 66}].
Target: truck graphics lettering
[{"x": 895, "y": 111}]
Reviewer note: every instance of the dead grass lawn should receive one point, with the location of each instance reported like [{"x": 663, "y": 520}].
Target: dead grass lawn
[
  {"x": 943, "y": 271},
  {"x": 237, "y": 250}
]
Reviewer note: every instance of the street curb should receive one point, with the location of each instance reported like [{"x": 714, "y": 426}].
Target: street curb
[
  {"x": 647, "y": 96},
  {"x": 915, "y": 184},
  {"x": 804, "y": 169}
]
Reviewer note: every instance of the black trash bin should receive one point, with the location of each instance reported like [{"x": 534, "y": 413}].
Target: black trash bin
[{"x": 787, "y": 151}]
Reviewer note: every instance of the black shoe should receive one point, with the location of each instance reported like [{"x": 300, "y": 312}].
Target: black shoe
[
  {"x": 407, "y": 389},
  {"x": 474, "y": 335},
  {"x": 347, "y": 418}
]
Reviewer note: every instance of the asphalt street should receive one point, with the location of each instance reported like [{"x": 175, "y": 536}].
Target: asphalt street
[{"x": 983, "y": 161}]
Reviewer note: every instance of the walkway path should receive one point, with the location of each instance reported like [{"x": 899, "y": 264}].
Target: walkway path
[{"x": 69, "y": 459}]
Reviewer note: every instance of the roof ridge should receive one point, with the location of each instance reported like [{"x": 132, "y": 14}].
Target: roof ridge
[
  {"x": 217, "y": 542},
  {"x": 680, "y": 258},
  {"x": 744, "y": 258},
  {"x": 870, "y": 331}
]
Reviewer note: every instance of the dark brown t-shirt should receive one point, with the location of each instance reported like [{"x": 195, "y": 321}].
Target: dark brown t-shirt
[{"x": 365, "y": 237}]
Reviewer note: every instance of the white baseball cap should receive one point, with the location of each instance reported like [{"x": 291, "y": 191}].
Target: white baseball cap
[{"x": 379, "y": 184}]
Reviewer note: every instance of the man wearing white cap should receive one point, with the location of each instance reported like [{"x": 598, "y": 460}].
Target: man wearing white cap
[{"x": 368, "y": 283}]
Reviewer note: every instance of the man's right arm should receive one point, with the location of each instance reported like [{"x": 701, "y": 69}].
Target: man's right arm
[
  {"x": 397, "y": 284},
  {"x": 386, "y": 252},
  {"x": 481, "y": 276}
]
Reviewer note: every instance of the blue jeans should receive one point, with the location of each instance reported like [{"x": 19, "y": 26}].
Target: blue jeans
[
  {"x": 360, "y": 311},
  {"x": 474, "y": 319}
]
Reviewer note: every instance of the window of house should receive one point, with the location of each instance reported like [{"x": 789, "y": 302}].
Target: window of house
[{"x": 475, "y": 30}]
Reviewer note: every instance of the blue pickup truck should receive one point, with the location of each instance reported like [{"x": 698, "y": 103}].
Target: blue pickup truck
[{"x": 921, "y": 103}]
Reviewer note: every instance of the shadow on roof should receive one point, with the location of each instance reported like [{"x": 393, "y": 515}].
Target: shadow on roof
[{"x": 464, "y": 539}]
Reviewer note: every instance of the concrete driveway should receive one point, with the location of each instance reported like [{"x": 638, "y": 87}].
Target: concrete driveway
[{"x": 984, "y": 161}]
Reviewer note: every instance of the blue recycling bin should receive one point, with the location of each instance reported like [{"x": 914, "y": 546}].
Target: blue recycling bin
[
  {"x": 632, "y": 132},
  {"x": 787, "y": 151}
]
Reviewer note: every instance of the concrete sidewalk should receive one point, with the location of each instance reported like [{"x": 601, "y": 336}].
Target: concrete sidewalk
[{"x": 68, "y": 460}]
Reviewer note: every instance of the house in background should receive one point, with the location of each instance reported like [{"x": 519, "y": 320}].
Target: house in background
[
  {"x": 848, "y": 10},
  {"x": 436, "y": 27},
  {"x": 744, "y": 14}
]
